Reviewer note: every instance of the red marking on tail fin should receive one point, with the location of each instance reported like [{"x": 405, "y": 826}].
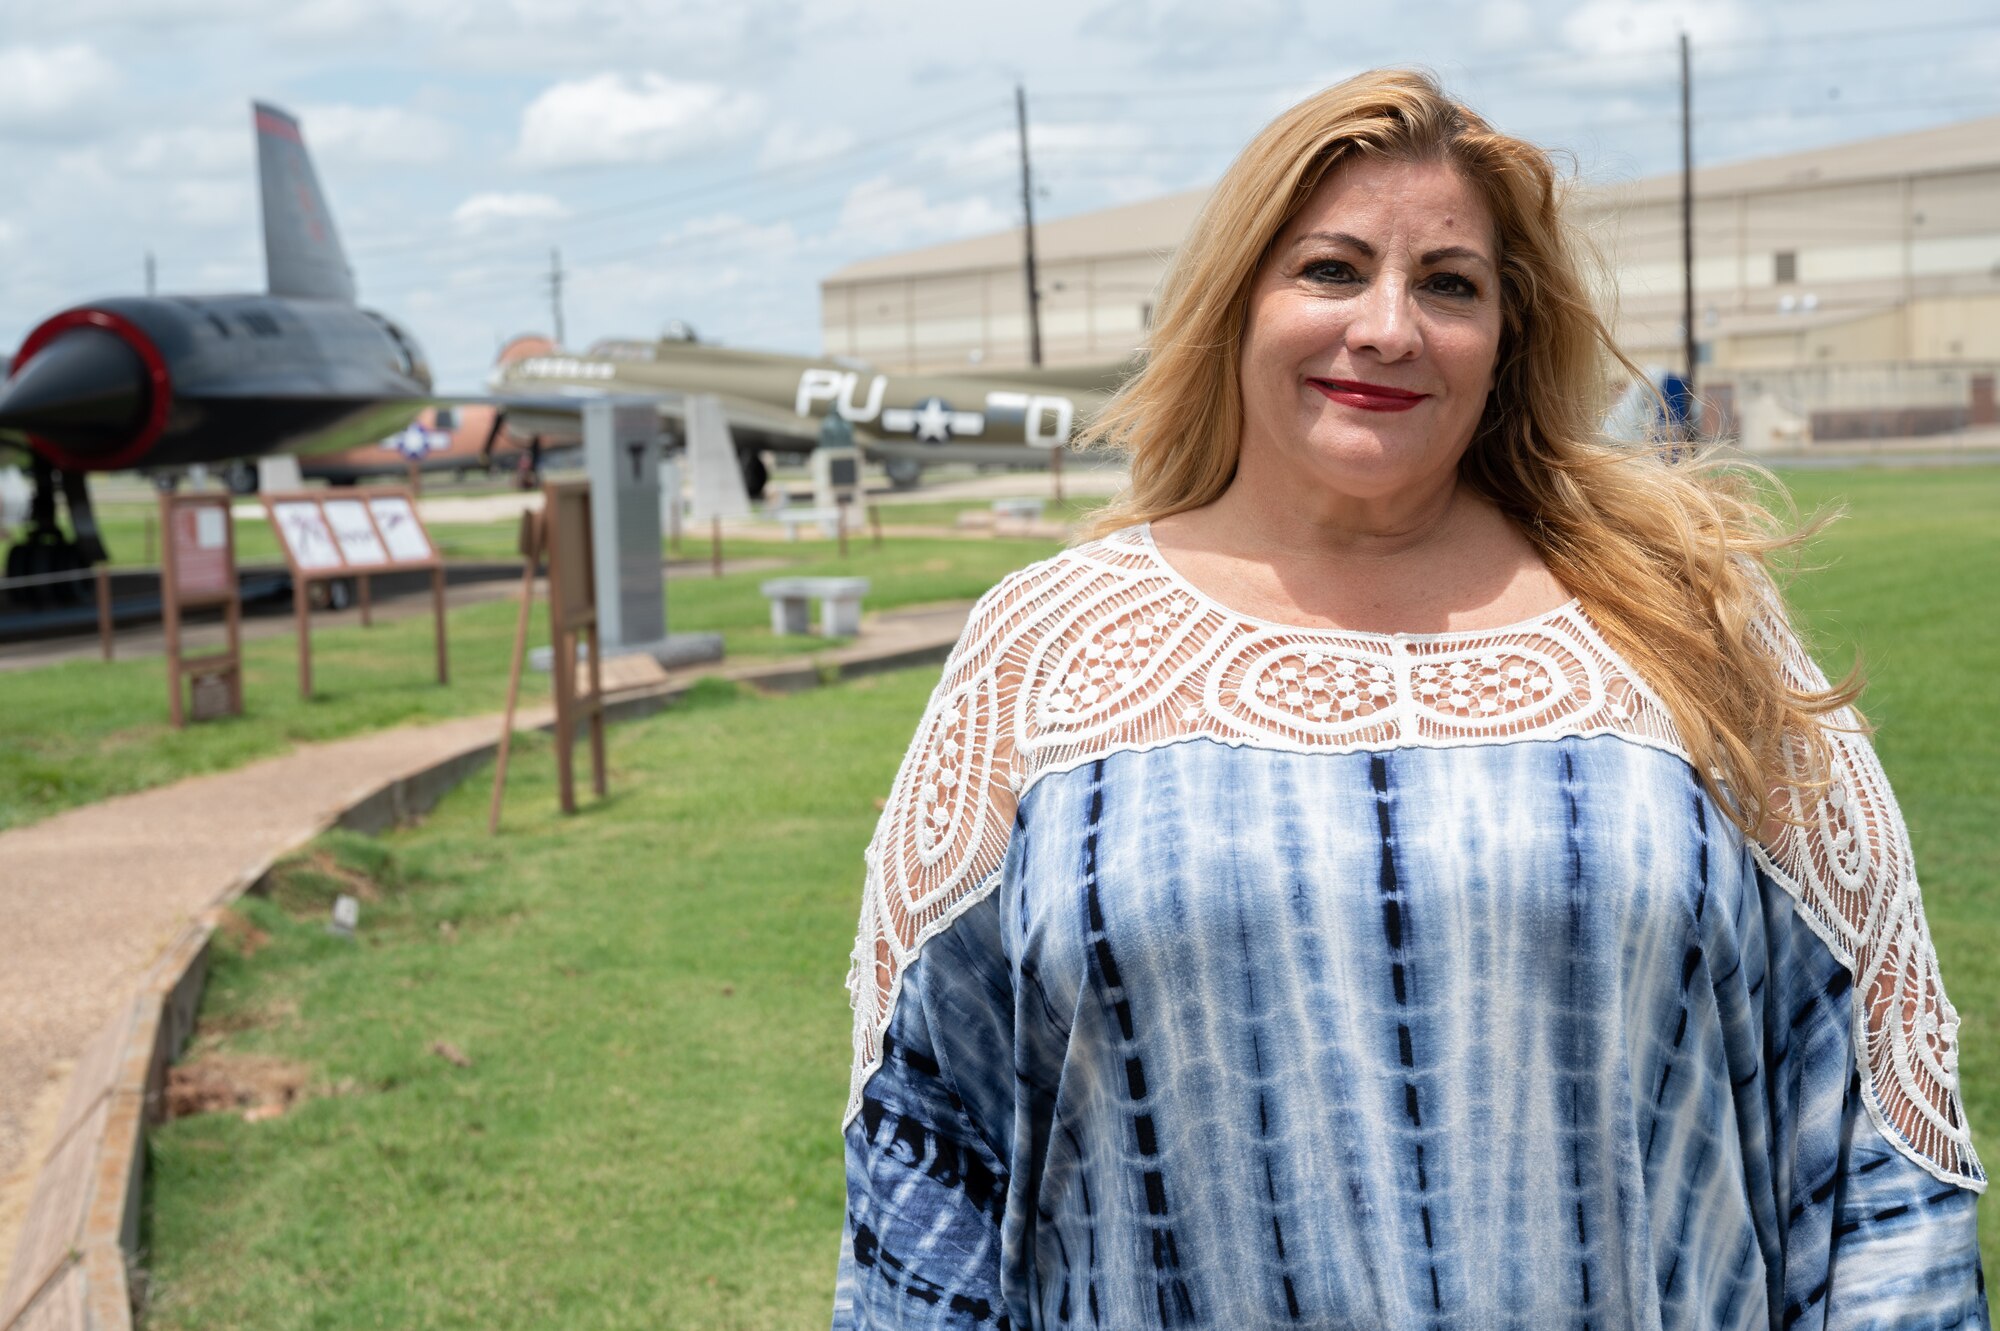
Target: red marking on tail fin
[{"x": 278, "y": 126}]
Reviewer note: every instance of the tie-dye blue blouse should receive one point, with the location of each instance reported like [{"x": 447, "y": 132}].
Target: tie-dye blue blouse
[{"x": 1219, "y": 973}]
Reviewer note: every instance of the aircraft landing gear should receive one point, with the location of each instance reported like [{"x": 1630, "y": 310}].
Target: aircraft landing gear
[
  {"x": 755, "y": 474},
  {"x": 45, "y": 549},
  {"x": 904, "y": 473}
]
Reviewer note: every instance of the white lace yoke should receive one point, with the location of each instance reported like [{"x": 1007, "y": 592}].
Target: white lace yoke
[{"x": 1105, "y": 648}]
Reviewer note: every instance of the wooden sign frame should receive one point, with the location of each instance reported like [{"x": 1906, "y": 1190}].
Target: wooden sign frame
[
  {"x": 332, "y": 562},
  {"x": 214, "y": 587},
  {"x": 566, "y": 535}
]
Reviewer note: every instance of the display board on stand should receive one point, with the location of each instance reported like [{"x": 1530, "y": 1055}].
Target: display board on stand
[
  {"x": 198, "y": 570},
  {"x": 352, "y": 534},
  {"x": 561, "y": 534},
  {"x": 836, "y": 477}
]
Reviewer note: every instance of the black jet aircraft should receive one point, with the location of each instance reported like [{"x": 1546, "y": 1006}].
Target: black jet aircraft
[{"x": 168, "y": 381}]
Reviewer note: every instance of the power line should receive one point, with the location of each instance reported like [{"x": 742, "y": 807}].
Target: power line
[{"x": 772, "y": 180}]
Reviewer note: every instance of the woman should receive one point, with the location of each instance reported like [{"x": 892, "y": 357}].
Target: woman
[{"x": 1405, "y": 871}]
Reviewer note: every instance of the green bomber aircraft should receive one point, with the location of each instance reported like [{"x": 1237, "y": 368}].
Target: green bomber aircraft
[{"x": 777, "y": 402}]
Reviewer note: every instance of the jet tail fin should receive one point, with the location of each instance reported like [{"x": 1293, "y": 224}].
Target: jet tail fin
[{"x": 302, "y": 253}]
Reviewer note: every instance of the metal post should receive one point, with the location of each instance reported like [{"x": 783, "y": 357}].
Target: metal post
[
  {"x": 555, "y": 293},
  {"x": 1687, "y": 221},
  {"x": 1028, "y": 231}
]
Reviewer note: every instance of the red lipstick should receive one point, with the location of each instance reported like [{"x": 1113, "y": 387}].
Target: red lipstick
[{"x": 1368, "y": 397}]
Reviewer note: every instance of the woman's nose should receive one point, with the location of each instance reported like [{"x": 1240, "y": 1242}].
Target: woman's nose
[{"x": 1385, "y": 321}]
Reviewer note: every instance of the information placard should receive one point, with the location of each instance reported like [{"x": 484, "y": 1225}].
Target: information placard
[
  {"x": 396, "y": 519},
  {"x": 352, "y": 534},
  {"x": 198, "y": 569},
  {"x": 355, "y": 531},
  {"x": 200, "y": 537},
  {"x": 303, "y": 532}
]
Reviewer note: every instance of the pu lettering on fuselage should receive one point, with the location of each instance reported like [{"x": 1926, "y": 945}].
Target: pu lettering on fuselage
[{"x": 1044, "y": 419}]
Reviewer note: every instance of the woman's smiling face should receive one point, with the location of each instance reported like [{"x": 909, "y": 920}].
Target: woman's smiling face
[{"x": 1373, "y": 333}]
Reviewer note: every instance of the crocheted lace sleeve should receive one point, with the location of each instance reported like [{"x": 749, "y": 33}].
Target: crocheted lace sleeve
[
  {"x": 946, "y": 823},
  {"x": 1849, "y": 866}
]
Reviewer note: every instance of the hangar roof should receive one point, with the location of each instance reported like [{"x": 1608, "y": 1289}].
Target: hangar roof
[
  {"x": 1155, "y": 226},
  {"x": 1152, "y": 226},
  {"x": 1968, "y": 144}
]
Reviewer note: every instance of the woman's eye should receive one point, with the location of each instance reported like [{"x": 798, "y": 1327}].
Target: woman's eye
[
  {"x": 1330, "y": 270},
  {"x": 1451, "y": 284}
]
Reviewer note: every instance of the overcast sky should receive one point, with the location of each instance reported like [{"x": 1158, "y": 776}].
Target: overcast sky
[{"x": 711, "y": 160}]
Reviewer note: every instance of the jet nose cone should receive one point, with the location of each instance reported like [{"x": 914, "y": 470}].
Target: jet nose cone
[{"x": 86, "y": 393}]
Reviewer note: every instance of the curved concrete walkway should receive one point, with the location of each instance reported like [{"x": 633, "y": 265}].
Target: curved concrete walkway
[{"x": 90, "y": 898}]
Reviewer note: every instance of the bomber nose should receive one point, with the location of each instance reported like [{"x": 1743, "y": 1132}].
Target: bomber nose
[{"x": 86, "y": 393}]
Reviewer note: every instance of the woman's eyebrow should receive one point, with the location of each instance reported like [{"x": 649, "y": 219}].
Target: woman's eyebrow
[
  {"x": 1367, "y": 251},
  {"x": 1353, "y": 242},
  {"x": 1454, "y": 252}
]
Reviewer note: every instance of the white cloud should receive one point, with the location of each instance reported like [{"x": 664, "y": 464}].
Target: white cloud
[
  {"x": 997, "y": 153},
  {"x": 1506, "y": 23},
  {"x": 52, "y": 90},
  {"x": 615, "y": 118},
  {"x": 212, "y": 203},
  {"x": 194, "y": 150},
  {"x": 731, "y": 232},
  {"x": 879, "y": 215},
  {"x": 376, "y": 135},
  {"x": 1196, "y": 34},
  {"x": 1601, "y": 29},
  {"x": 484, "y": 210},
  {"x": 792, "y": 143}
]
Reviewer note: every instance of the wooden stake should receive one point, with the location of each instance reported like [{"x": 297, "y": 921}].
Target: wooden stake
[
  {"x": 875, "y": 523},
  {"x": 531, "y": 556},
  {"x": 104, "y": 609},
  {"x": 840, "y": 525},
  {"x": 1055, "y": 470},
  {"x": 303, "y": 613},
  {"x": 170, "y": 613},
  {"x": 596, "y": 710},
  {"x": 715, "y": 539},
  {"x": 437, "y": 616}
]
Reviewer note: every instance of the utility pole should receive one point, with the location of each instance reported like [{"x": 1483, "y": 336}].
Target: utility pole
[
  {"x": 1687, "y": 220},
  {"x": 152, "y": 274},
  {"x": 555, "y": 293},
  {"x": 1028, "y": 231}
]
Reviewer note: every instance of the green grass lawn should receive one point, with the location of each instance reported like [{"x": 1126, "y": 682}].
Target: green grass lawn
[
  {"x": 649, "y": 994},
  {"x": 85, "y": 730},
  {"x": 944, "y": 512}
]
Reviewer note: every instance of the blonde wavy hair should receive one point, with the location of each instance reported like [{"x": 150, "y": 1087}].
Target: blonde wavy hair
[{"x": 1670, "y": 561}]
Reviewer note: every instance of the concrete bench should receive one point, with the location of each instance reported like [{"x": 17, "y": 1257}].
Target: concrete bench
[
  {"x": 839, "y": 605},
  {"x": 826, "y": 519},
  {"x": 1029, "y": 510}
]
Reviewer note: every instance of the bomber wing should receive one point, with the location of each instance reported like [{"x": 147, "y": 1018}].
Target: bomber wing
[{"x": 558, "y": 416}]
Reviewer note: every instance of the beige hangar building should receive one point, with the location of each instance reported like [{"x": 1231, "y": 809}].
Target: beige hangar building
[{"x": 1850, "y": 291}]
